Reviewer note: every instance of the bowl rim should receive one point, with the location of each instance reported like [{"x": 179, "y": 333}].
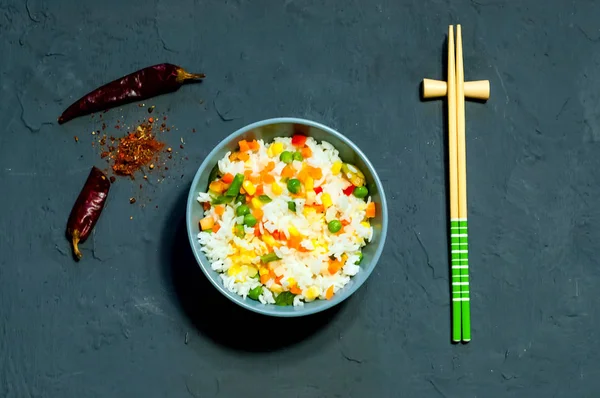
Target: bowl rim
[{"x": 192, "y": 195}]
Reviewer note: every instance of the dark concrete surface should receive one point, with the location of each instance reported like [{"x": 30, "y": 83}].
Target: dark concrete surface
[{"x": 135, "y": 318}]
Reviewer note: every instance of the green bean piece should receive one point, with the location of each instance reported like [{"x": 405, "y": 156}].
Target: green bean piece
[
  {"x": 267, "y": 258},
  {"x": 292, "y": 206},
  {"x": 239, "y": 231},
  {"x": 255, "y": 293},
  {"x": 264, "y": 199},
  {"x": 285, "y": 299},
  {"x": 360, "y": 258},
  {"x": 236, "y": 184}
]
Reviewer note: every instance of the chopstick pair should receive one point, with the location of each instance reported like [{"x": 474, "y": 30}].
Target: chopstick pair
[{"x": 456, "y": 89}]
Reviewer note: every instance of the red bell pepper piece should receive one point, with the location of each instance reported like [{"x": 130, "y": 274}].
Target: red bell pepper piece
[{"x": 298, "y": 140}]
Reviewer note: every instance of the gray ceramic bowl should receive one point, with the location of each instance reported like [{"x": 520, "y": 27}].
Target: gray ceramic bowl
[{"x": 267, "y": 130}]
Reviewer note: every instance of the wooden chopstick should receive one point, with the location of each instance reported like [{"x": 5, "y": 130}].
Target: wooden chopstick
[
  {"x": 455, "y": 262},
  {"x": 463, "y": 247}
]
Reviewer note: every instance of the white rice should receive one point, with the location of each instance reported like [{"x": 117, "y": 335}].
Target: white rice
[{"x": 304, "y": 271}]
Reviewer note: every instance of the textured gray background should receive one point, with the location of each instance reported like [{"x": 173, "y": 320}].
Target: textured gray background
[{"x": 115, "y": 324}]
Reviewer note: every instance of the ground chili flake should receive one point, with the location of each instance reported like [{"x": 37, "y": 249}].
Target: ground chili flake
[{"x": 136, "y": 150}]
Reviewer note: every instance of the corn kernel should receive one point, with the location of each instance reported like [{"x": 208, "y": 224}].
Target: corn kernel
[
  {"x": 276, "y": 188},
  {"x": 365, "y": 224},
  {"x": 326, "y": 200},
  {"x": 263, "y": 271},
  {"x": 256, "y": 203},
  {"x": 291, "y": 282},
  {"x": 308, "y": 211},
  {"x": 277, "y": 148},
  {"x": 252, "y": 272},
  {"x": 276, "y": 288},
  {"x": 309, "y": 184},
  {"x": 311, "y": 293},
  {"x": 270, "y": 151},
  {"x": 269, "y": 240},
  {"x": 249, "y": 187},
  {"x": 234, "y": 270},
  {"x": 293, "y": 231},
  {"x": 336, "y": 167},
  {"x": 310, "y": 197}
]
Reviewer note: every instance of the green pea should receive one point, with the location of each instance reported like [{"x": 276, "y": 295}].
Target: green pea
[
  {"x": 334, "y": 226},
  {"x": 242, "y": 210},
  {"x": 292, "y": 206},
  {"x": 286, "y": 157},
  {"x": 361, "y": 192},
  {"x": 297, "y": 156},
  {"x": 294, "y": 185},
  {"x": 250, "y": 220},
  {"x": 360, "y": 257},
  {"x": 255, "y": 293}
]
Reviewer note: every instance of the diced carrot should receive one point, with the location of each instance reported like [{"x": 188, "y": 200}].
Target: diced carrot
[
  {"x": 220, "y": 209},
  {"x": 288, "y": 171},
  {"x": 275, "y": 235},
  {"x": 306, "y": 152},
  {"x": 254, "y": 145},
  {"x": 265, "y": 278},
  {"x": 207, "y": 223},
  {"x": 371, "y": 210},
  {"x": 294, "y": 242},
  {"x": 244, "y": 146},
  {"x": 267, "y": 178},
  {"x": 259, "y": 190},
  {"x": 295, "y": 290},
  {"x": 227, "y": 178},
  {"x": 233, "y": 157},
  {"x": 303, "y": 174},
  {"x": 319, "y": 208},
  {"x": 256, "y": 230},
  {"x": 217, "y": 186},
  {"x": 270, "y": 166},
  {"x": 329, "y": 293},
  {"x": 334, "y": 266},
  {"x": 248, "y": 198},
  {"x": 318, "y": 190},
  {"x": 345, "y": 222},
  {"x": 206, "y": 206},
  {"x": 298, "y": 140},
  {"x": 247, "y": 174},
  {"x": 278, "y": 279},
  {"x": 243, "y": 156},
  {"x": 216, "y": 227},
  {"x": 258, "y": 214},
  {"x": 255, "y": 179},
  {"x": 316, "y": 173}
]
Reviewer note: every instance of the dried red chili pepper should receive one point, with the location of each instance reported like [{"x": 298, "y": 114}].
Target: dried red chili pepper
[
  {"x": 142, "y": 84},
  {"x": 87, "y": 209}
]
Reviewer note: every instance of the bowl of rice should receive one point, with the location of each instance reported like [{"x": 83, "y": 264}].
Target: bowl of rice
[{"x": 287, "y": 217}]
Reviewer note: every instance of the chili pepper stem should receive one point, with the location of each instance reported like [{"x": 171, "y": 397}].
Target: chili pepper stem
[
  {"x": 183, "y": 75},
  {"x": 75, "y": 241}
]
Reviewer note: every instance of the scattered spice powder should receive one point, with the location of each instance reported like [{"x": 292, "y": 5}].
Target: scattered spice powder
[
  {"x": 136, "y": 150},
  {"x": 76, "y": 139}
]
